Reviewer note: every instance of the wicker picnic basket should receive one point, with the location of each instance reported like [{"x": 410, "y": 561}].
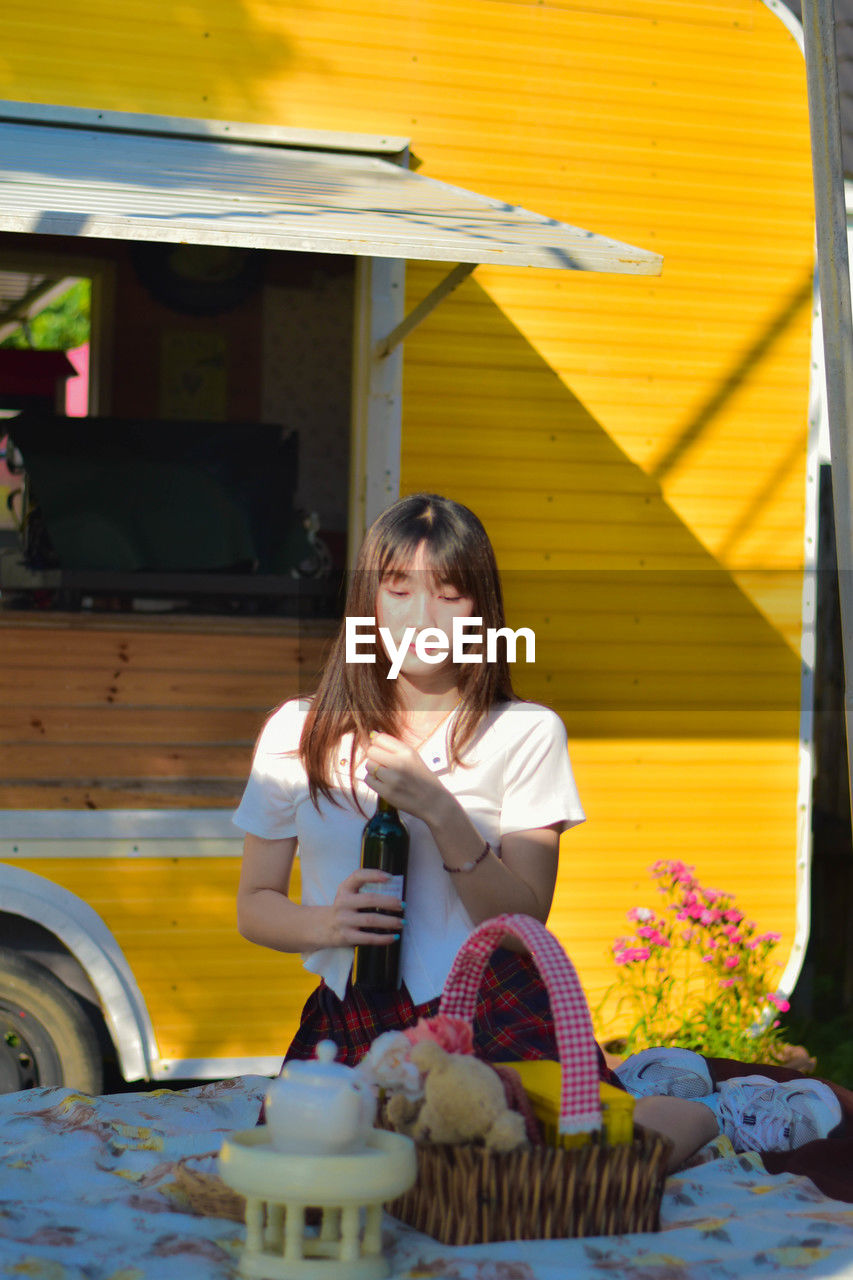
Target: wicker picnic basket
[{"x": 467, "y": 1195}]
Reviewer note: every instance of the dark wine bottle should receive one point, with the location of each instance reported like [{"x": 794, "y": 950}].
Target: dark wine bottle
[{"x": 384, "y": 847}]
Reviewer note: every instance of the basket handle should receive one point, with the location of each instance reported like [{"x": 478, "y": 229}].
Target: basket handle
[{"x": 580, "y": 1099}]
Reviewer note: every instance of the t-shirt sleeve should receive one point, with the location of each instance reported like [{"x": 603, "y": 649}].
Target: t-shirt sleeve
[
  {"x": 539, "y": 786},
  {"x": 268, "y": 806}
]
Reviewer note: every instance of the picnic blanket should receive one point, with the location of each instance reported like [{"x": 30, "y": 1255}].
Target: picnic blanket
[{"x": 88, "y": 1191}]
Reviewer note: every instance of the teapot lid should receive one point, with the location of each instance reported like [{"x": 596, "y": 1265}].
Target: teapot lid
[{"x": 322, "y": 1069}]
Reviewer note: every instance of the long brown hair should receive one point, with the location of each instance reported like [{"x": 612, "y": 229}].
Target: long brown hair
[{"x": 358, "y": 698}]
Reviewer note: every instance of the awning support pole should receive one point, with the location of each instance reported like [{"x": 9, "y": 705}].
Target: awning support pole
[
  {"x": 834, "y": 277},
  {"x": 450, "y": 282}
]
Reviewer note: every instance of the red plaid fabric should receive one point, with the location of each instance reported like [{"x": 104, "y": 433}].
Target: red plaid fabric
[
  {"x": 580, "y": 1106},
  {"x": 353, "y": 1023},
  {"x": 512, "y": 1023}
]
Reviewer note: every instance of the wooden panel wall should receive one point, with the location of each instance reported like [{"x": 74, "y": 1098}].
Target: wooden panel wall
[{"x": 102, "y": 715}]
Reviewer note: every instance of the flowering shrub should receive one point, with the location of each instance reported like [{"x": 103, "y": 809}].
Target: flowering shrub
[{"x": 694, "y": 973}]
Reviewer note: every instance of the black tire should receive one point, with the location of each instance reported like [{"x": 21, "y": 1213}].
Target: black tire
[{"x": 45, "y": 1035}]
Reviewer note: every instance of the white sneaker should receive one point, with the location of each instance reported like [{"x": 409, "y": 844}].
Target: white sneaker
[
  {"x": 678, "y": 1073},
  {"x": 757, "y": 1114}
]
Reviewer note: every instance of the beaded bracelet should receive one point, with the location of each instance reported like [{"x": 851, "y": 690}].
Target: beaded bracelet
[{"x": 468, "y": 866}]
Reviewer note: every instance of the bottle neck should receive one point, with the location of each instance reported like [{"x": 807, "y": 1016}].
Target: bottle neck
[{"x": 384, "y": 806}]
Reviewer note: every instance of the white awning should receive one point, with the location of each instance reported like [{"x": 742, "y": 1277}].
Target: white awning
[{"x": 84, "y": 173}]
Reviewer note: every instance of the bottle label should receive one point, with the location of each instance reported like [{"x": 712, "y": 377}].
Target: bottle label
[{"x": 392, "y": 888}]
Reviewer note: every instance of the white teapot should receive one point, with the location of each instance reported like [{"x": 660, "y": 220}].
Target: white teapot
[{"x": 319, "y": 1107}]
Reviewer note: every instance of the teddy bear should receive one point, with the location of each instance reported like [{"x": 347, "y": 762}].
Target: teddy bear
[{"x": 463, "y": 1101}]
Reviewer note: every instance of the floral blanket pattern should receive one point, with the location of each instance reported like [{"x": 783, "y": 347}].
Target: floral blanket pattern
[{"x": 88, "y": 1192}]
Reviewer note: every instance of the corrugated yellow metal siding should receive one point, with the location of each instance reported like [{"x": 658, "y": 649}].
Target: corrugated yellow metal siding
[
  {"x": 210, "y": 993},
  {"x": 637, "y": 450},
  {"x": 638, "y": 444}
]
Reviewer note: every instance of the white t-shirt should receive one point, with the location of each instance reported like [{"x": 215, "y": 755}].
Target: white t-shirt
[{"x": 515, "y": 776}]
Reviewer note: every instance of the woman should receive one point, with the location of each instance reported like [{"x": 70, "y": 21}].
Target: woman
[
  {"x": 483, "y": 779},
  {"x": 486, "y": 787}
]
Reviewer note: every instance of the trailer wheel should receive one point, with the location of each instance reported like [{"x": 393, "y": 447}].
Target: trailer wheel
[{"x": 45, "y": 1036}]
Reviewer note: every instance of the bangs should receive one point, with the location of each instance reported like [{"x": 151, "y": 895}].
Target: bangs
[
  {"x": 445, "y": 563},
  {"x": 453, "y": 546}
]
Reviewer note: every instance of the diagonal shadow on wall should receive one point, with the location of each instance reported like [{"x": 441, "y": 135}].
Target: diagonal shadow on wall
[{"x": 640, "y": 630}]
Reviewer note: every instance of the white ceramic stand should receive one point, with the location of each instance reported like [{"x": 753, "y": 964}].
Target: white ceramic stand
[{"x": 279, "y": 1188}]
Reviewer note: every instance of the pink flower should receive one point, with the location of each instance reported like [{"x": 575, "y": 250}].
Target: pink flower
[
  {"x": 731, "y": 962},
  {"x": 643, "y": 914},
  {"x": 728, "y": 982},
  {"x": 632, "y": 954},
  {"x": 454, "y": 1035},
  {"x": 780, "y": 1002},
  {"x": 678, "y": 871},
  {"x": 653, "y": 935},
  {"x": 733, "y": 917}
]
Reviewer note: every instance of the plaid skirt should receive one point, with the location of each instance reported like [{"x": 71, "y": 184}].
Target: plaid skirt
[{"x": 512, "y": 1023}]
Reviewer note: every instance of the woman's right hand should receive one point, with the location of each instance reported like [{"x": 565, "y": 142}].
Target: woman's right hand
[
  {"x": 268, "y": 916},
  {"x": 358, "y": 916}
]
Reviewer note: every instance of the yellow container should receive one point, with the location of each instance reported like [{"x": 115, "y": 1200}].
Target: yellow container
[{"x": 543, "y": 1080}]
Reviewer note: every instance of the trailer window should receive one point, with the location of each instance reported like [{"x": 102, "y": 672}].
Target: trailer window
[{"x": 217, "y": 481}]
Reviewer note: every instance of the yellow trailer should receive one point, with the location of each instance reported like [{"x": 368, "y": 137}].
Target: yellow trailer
[{"x": 637, "y": 445}]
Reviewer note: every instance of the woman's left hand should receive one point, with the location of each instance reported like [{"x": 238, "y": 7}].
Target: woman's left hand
[
  {"x": 521, "y": 878},
  {"x": 398, "y": 774}
]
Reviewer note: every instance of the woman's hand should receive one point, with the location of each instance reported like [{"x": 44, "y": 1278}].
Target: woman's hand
[
  {"x": 398, "y": 774},
  {"x": 358, "y": 914},
  {"x": 268, "y": 916},
  {"x": 521, "y": 879}
]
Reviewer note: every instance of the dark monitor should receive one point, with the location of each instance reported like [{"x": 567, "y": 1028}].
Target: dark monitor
[{"x": 134, "y": 496}]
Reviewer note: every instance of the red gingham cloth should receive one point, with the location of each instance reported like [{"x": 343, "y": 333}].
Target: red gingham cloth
[{"x": 580, "y": 1104}]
